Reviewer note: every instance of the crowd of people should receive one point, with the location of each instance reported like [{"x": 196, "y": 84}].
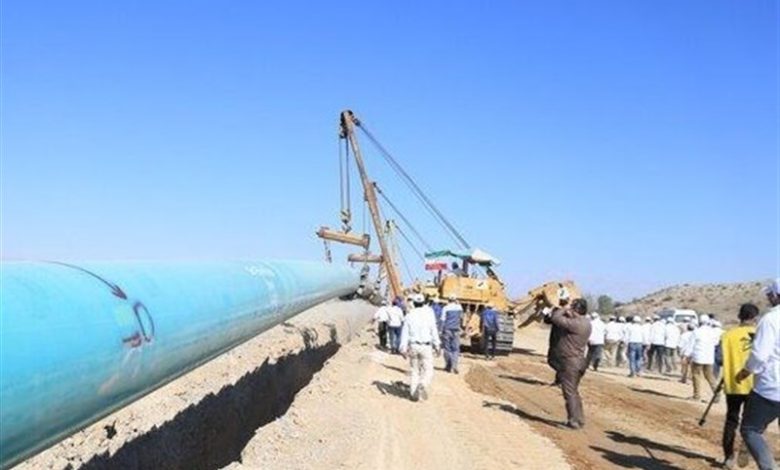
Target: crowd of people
[{"x": 743, "y": 362}]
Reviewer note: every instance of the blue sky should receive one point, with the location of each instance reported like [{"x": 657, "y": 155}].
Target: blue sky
[{"x": 625, "y": 145}]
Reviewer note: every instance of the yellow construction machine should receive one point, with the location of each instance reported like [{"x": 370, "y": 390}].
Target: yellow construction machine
[{"x": 472, "y": 278}]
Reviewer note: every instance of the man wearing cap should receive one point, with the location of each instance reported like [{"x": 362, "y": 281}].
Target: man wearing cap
[
  {"x": 555, "y": 334},
  {"x": 657, "y": 340},
  {"x": 395, "y": 320},
  {"x": 635, "y": 338},
  {"x": 671, "y": 341},
  {"x": 622, "y": 348},
  {"x": 452, "y": 314},
  {"x": 419, "y": 341},
  {"x": 613, "y": 333},
  {"x": 763, "y": 404},
  {"x": 596, "y": 340},
  {"x": 569, "y": 353},
  {"x": 702, "y": 356},
  {"x": 489, "y": 330},
  {"x": 684, "y": 349},
  {"x": 380, "y": 318}
]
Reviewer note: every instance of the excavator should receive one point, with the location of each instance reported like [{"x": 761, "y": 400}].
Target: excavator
[{"x": 466, "y": 274}]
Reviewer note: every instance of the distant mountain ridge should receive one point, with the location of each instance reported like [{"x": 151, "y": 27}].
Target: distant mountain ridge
[{"x": 723, "y": 300}]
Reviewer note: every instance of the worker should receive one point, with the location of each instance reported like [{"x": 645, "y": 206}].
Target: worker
[
  {"x": 438, "y": 307},
  {"x": 453, "y": 315},
  {"x": 635, "y": 344},
  {"x": 718, "y": 331},
  {"x": 763, "y": 403},
  {"x": 569, "y": 351},
  {"x": 702, "y": 356},
  {"x": 419, "y": 342},
  {"x": 380, "y": 318},
  {"x": 671, "y": 341},
  {"x": 684, "y": 345},
  {"x": 489, "y": 330},
  {"x": 555, "y": 334},
  {"x": 596, "y": 341},
  {"x": 657, "y": 341},
  {"x": 647, "y": 327},
  {"x": 613, "y": 332},
  {"x": 395, "y": 320},
  {"x": 620, "y": 355},
  {"x": 735, "y": 345}
]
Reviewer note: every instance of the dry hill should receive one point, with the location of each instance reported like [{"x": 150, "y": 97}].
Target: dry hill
[{"x": 721, "y": 299}]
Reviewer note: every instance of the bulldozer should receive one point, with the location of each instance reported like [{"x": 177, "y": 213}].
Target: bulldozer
[
  {"x": 473, "y": 282},
  {"x": 471, "y": 279}
]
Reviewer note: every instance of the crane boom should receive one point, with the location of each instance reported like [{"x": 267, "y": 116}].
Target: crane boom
[{"x": 348, "y": 123}]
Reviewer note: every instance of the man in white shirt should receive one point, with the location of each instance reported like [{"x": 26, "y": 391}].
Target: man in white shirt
[
  {"x": 657, "y": 340},
  {"x": 419, "y": 341},
  {"x": 646, "y": 327},
  {"x": 763, "y": 404},
  {"x": 596, "y": 341},
  {"x": 613, "y": 333},
  {"x": 620, "y": 355},
  {"x": 395, "y": 320},
  {"x": 684, "y": 349},
  {"x": 702, "y": 354},
  {"x": 671, "y": 342},
  {"x": 635, "y": 337},
  {"x": 380, "y": 318}
]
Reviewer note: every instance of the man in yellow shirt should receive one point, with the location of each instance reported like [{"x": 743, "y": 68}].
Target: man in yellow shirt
[{"x": 735, "y": 345}]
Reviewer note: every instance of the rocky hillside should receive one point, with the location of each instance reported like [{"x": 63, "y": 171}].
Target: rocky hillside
[{"x": 721, "y": 299}]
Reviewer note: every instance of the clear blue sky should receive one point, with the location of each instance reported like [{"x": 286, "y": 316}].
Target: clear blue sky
[{"x": 625, "y": 145}]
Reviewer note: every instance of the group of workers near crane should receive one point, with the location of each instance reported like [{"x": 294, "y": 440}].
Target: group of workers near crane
[
  {"x": 747, "y": 355},
  {"x": 421, "y": 328}
]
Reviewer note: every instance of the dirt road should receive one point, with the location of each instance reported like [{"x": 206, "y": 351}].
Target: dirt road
[{"x": 498, "y": 414}]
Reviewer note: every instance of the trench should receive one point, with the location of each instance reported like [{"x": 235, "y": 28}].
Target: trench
[{"x": 212, "y": 433}]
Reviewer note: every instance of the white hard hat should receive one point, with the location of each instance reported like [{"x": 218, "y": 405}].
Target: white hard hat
[
  {"x": 704, "y": 319},
  {"x": 418, "y": 298},
  {"x": 717, "y": 324},
  {"x": 622, "y": 319},
  {"x": 594, "y": 314},
  {"x": 772, "y": 288},
  {"x": 452, "y": 297},
  {"x": 637, "y": 319}
]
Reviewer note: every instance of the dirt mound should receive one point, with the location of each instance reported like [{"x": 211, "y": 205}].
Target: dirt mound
[{"x": 723, "y": 300}]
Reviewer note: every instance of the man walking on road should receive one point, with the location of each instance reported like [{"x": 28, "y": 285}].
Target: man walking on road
[
  {"x": 419, "y": 341},
  {"x": 489, "y": 330},
  {"x": 381, "y": 317},
  {"x": 613, "y": 333},
  {"x": 395, "y": 319},
  {"x": 763, "y": 404},
  {"x": 569, "y": 353},
  {"x": 452, "y": 314},
  {"x": 702, "y": 356},
  {"x": 735, "y": 345},
  {"x": 635, "y": 346},
  {"x": 657, "y": 341},
  {"x": 685, "y": 344},
  {"x": 622, "y": 347},
  {"x": 596, "y": 341},
  {"x": 671, "y": 341}
]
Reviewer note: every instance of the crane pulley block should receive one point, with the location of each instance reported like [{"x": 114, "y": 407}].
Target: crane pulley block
[{"x": 343, "y": 237}]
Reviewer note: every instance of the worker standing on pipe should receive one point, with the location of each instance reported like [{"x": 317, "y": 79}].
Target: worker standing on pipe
[
  {"x": 453, "y": 315},
  {"x": 419, "y": 341}
]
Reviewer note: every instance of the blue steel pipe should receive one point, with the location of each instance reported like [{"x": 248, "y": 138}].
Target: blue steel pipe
[{"x": 78, "y": 341}]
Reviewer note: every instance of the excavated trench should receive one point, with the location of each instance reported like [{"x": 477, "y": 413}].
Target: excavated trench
[{"x": 205, "y": 419}]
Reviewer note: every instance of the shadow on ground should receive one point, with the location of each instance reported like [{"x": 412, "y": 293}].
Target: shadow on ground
[
  {"x": 525, "y": 380},
  {"x": 396, "y": 389},
  {"x": 648, "y": 458},
  {"x": 656, "y": 393},
  {"x": 212, "y": 433},
  {"x": 521, "y": 414}
]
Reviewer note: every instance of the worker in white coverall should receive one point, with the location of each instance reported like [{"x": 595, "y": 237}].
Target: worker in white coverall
[{"x": 419, "y": 342}]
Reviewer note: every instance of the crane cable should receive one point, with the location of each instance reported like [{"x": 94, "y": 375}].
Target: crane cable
[
  {"x": 415, "y": 188},
  {"x": 419, "y": 253},
  {"x": 403, "y": 217},
  {"x": 398, "y": 252}
]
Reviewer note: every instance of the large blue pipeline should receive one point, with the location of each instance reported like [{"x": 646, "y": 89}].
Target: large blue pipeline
[{"x": 78, "y": 341}]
